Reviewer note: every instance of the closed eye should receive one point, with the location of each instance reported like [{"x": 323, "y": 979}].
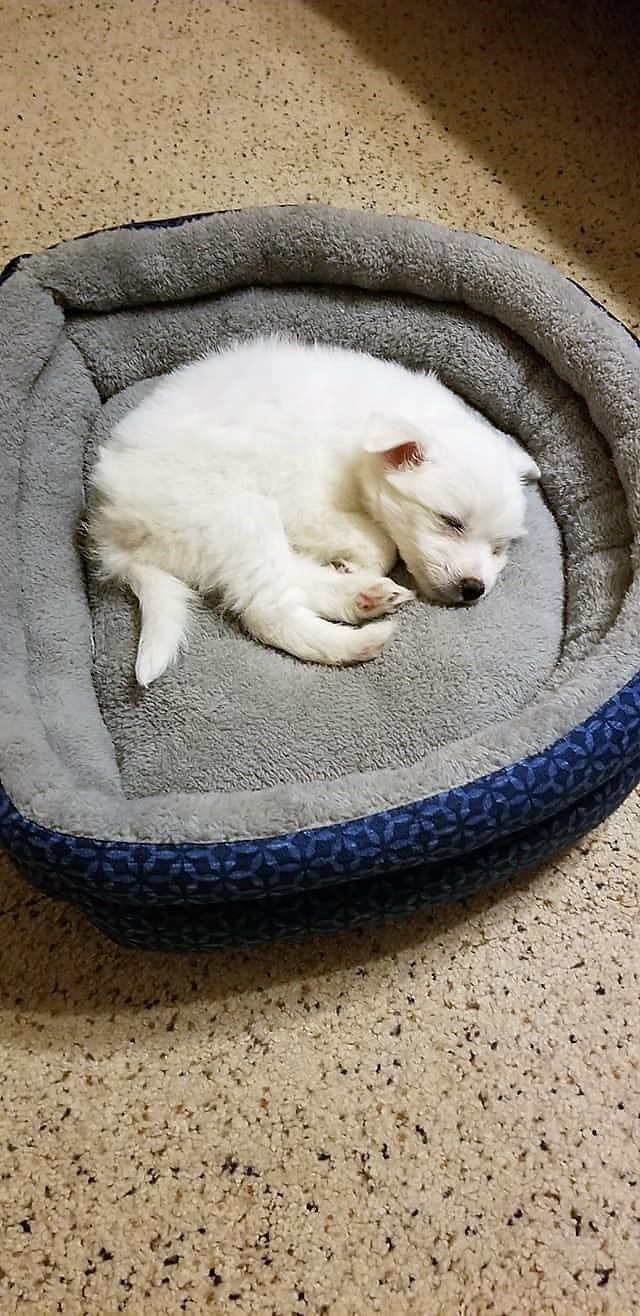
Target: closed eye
[
  {"x": 452, "y": 523},
  {"x": 501, "y": 547}
]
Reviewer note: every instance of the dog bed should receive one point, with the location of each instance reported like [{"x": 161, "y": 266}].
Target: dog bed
[{"x": 247, "y": 796}]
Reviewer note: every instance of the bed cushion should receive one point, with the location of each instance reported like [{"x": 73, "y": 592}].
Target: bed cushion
[{"x": 244, "y": 779}]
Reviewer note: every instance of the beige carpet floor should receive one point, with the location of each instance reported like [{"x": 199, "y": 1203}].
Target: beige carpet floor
[{"x": 440, "y": 1116}]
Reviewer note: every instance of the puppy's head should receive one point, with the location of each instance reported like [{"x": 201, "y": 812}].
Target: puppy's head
[{"x": 453, "y": 503}]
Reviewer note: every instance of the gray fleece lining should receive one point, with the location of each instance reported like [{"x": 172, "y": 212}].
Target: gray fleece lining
[{"x": 458, "y": 694}]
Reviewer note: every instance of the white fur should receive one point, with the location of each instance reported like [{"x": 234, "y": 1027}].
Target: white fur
[{"x": 253, "y": 473}]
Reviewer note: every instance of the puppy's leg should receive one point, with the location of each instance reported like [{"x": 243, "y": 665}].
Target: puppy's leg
[
  {"x": 354, "y": 597},
  {"x": 259, "y": 579},
  {"x": 352, "y": 540}
]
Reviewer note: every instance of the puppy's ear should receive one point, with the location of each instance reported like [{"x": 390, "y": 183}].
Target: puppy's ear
[
  {"x": 400, "y": 443},
  {"x": 526, "y": 468}
]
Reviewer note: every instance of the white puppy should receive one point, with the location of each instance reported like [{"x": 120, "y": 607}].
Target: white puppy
[{"x": 255, "y": 472}]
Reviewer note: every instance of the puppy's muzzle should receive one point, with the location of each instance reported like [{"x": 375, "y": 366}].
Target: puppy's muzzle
[{"x": 471, "y": 589}]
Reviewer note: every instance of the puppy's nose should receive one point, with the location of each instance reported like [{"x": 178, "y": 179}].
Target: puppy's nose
[{"x": 471, "y": 589}]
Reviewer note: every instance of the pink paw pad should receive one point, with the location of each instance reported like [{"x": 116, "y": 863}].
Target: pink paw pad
[{"x": 368, "y": 601}]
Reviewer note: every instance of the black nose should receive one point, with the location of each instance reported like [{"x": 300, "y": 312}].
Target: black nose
[{"x": 471, "y": 589}]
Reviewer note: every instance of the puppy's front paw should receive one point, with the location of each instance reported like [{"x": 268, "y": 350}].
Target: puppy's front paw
[{"x": 377, "y": 597}]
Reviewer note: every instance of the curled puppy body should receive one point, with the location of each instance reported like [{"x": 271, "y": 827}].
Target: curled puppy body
[{"x": 286, "y": 479}]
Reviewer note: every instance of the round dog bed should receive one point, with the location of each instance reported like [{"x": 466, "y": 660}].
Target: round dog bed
[{"x": 246, "y": 796}]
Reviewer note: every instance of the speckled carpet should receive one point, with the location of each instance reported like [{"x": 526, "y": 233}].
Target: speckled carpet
[{"x": 438, "y": 1117}]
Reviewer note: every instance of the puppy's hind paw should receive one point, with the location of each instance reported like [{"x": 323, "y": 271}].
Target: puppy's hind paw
[{"x": 368, "y": 642}]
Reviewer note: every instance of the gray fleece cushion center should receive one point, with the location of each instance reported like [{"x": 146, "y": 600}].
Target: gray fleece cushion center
[
  {"x": 232, "y": 714},
  {"x": 237, "y": 740}
]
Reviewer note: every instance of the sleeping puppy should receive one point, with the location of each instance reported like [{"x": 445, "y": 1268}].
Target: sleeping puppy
[{"x": 286, "y": 479}]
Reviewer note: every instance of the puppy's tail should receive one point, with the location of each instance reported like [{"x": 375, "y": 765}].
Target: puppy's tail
[{"x": 164, "y": 607}]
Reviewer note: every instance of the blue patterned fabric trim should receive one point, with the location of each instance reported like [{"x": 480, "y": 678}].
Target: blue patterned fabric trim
[
  {"x": 382, "y": 896},
  {"x": 444, "y": 847},
  {"x": 449, "y": 825}
]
